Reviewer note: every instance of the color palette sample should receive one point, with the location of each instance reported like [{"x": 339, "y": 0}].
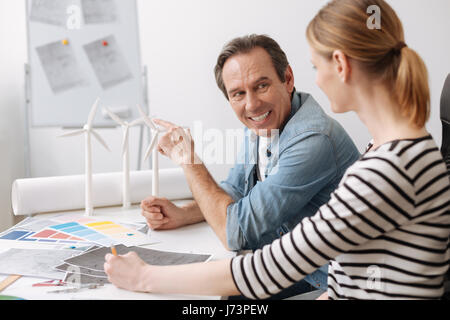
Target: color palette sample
[
  {"x": 75, "y": 230},
  {"x": 44, "y": 236},
  {"x": 80, "y": 231},
  {"x": 15, "y": 235},
  {"x": 48, "y": 234},
  {"x": 119, "y": 233}
]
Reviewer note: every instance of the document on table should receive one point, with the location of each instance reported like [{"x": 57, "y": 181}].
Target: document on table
[
  {"x": 95, "y": 259},
  {"x": 34, "y": 262}
]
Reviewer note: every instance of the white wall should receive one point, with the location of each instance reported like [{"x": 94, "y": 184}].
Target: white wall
[
  {"x": 12, "y": 57},
  {"x": 180, "y": 41}
]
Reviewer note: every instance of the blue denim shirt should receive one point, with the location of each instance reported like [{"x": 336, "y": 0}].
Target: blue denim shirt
[{"x": 313, "y": 152}]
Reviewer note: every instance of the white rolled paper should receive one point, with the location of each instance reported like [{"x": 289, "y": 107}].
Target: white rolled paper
[{"x": 37, "y": 195}]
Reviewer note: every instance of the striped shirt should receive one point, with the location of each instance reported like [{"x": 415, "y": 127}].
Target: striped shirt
[{"x": 385, "y": 232}]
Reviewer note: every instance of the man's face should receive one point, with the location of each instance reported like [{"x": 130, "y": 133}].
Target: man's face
[{"x": 258, "y": 97}]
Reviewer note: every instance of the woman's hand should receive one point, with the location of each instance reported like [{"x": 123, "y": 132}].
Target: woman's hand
[{"x": 127, "y": 271}]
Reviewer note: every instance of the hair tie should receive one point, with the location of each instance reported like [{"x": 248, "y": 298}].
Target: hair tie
[{"x": 398, "y": 48}]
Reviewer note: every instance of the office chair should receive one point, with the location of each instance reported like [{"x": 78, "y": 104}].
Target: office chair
[
  {"x": 445, "y": 149},
  {"x": 445, "y": 118}
]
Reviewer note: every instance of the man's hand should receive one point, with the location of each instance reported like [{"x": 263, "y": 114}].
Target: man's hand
[
  {"x": 177, "y": 144},
  {"x": 162, "y": 214}
]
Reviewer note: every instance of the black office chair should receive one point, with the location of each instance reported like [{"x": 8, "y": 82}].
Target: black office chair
[
  {"x": 445, "y": 149},
  {"x": 445, "y": 118}
]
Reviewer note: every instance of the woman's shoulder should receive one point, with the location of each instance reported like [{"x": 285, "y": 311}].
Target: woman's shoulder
[{"x": 403, "y": 161}]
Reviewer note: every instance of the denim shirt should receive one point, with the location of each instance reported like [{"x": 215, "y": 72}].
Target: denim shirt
[{"x": 312, "y": 153}]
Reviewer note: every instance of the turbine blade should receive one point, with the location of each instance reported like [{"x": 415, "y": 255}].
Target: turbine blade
[
  {"x": 100, "y": 139},
  {"x": 114, "y": 116},
  {"x": 151, "y": 146},
  {"x": 146, "y": 118},
  {"x": 125, "y": 139},
  {"x": 136, "y": 122},
  {"x": 73, "y": 133},
  {"x": 92, "y": 113}
]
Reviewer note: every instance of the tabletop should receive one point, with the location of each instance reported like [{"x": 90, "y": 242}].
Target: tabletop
[{"x": 196, "y": 238}]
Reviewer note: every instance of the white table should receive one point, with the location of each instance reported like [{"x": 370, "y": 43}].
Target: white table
[{"x": 197, "y": 238}]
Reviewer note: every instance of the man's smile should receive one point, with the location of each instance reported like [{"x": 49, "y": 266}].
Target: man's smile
[{"x": 261, "y": 118}]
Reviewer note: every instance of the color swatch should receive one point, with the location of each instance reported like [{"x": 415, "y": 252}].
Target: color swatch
[
  {"x": 80, "y": 231},
  {"x": 50, "y": 234},
  {"x": 119, "y": 233},
  {"x": 15, "y": 234},
  {"x": 75, "y": 230}
]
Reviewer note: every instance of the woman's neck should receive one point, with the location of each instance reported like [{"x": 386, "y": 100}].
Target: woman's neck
[{"x": 381, "y": 114}]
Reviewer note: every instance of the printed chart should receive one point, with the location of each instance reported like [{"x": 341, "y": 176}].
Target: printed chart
[{"x": 75, "y": 231}]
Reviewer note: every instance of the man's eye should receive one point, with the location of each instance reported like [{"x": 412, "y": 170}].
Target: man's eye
[{"x": 262, "y": 85}]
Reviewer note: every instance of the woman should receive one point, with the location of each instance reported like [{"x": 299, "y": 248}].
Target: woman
[{"x": 385, "y": 228}]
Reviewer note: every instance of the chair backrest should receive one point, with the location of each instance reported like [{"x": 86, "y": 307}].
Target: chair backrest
[
  {"x": 445, "y": 149},
  {"x": 445, "y": 118}
]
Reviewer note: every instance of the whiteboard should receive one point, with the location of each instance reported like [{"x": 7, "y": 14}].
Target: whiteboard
[{"x": 79, "y": 50}]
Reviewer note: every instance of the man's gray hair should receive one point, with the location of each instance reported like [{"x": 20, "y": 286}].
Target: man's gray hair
[{"x": 244, "y": 45}]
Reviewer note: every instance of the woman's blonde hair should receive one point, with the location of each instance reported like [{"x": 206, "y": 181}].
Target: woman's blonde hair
[{"x": 342, "y": 25}]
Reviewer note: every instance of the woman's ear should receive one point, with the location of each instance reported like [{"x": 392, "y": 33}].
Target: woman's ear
[{"x": 342, "y": 65}]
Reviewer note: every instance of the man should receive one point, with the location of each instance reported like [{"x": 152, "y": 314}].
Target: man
[{"x": 294, "y": 172}]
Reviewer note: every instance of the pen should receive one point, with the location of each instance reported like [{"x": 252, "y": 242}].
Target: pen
[{"x": 113, "y": 250}]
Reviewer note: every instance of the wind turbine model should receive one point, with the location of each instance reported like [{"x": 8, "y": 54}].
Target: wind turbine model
[
  {"x": 125, "y": 154},
  {"x": 152, "y": 148},
  {"x": 87, "y": 131}
]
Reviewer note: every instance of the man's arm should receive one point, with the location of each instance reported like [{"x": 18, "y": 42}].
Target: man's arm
[{"x": 212, "y": 201}]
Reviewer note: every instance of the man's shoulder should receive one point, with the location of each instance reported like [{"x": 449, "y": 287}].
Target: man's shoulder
[{"x": 309, "y": 119}]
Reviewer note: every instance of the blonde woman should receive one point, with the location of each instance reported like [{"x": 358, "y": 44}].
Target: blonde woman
[{"x": 385, "y": 230}]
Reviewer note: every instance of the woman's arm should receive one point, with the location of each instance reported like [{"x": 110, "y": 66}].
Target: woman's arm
[
  {"x": 131, "y": 273},
  {"x": 354, "y": 215}
]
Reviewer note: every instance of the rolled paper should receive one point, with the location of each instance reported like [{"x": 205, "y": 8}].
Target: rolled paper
[{"x": 50, "y": 194}]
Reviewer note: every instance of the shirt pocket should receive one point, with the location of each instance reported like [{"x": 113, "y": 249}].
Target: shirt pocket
[
  {"x": 249, "y": 179},
  {"x": 282, "y": 230}
]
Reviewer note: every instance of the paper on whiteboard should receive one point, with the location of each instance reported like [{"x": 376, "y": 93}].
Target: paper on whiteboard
[
  {"x": 99, "y": 11},
  {"x": 61, "y": 66},
  {"x": 108, "y": 62},
  {"x": 52, "y": 12}
]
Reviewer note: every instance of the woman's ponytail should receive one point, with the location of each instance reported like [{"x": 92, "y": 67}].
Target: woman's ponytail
[{"x": 411, "y": 87}]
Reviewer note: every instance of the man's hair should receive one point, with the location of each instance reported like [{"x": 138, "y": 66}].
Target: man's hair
[{"x": 244, "y": 45}]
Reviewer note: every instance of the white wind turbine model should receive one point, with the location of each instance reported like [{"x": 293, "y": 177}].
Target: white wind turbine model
[
  {"x": 87, "y": 131},
  {"x": 152, "y": 148},
  {"x": 125, "y": 154}
]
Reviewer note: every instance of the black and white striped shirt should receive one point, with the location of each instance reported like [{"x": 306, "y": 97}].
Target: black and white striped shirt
[{"x": 385, "y": 232}]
